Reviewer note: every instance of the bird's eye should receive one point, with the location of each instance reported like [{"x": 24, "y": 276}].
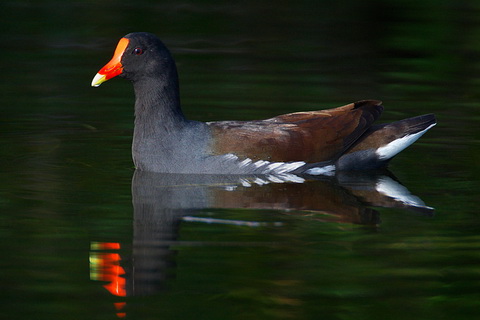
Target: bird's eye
[{"x": 138, "y": 51}]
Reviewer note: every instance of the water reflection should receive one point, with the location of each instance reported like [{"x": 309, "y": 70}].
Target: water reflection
[{"x": 162, "y": 202}]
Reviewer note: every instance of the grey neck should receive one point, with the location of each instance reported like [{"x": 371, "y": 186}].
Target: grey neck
[{"x": 157, "y": 106}]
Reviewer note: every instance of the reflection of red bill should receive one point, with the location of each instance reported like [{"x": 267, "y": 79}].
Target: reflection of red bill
[
  {"x": 105, "y": 266},
  {"x": 119, "y": 306}
]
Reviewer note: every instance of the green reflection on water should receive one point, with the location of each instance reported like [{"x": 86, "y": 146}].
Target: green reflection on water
[{"x": 66, "y": 165}]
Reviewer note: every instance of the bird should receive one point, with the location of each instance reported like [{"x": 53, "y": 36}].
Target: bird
[{"x": 320, "y": 142}]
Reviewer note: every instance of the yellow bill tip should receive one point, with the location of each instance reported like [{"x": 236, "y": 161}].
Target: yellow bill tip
[{"x": 98, "y": 80}]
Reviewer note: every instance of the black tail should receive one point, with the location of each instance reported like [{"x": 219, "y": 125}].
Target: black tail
[{"x": 379, "y": 144}]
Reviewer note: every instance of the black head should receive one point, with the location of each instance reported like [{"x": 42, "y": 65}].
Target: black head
[
  {"x": 145, "y": 56},
  {"x": 138, "y": 56}
]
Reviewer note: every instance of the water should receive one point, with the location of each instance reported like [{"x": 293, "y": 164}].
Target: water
[{"x": 84, "y": 236}]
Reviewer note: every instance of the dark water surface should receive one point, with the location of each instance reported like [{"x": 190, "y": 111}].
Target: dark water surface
[{"x": 85, "y": 237}]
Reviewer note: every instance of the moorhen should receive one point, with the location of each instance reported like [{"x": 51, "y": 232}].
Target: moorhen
[{"x": 311, "y": 142}]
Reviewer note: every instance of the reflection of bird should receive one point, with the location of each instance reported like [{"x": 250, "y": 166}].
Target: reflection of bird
[
  {"x": 164, "y": 202},
  {"x": 313, "y": 142}
]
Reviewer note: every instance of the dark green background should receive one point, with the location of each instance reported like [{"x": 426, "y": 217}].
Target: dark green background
[{"x": 65, "y": 166}]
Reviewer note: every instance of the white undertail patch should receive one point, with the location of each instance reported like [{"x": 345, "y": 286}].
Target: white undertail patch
[{"x": 393, "y": 148}]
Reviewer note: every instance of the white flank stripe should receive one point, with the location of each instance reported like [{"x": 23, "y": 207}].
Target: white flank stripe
[
  {"x": 289, "y": 167},
  {"x": 275, "y": 165},
  {"x": 260, "y": 163},
  {"x": 245, "y": 162},
  {"x": 281, "y": 170},
  {"x": 390, "y": 150},
  {"x": 230, "y": 156}
]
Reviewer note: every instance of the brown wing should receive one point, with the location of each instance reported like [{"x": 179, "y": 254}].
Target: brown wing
[{"x": 313, "y": 136}]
